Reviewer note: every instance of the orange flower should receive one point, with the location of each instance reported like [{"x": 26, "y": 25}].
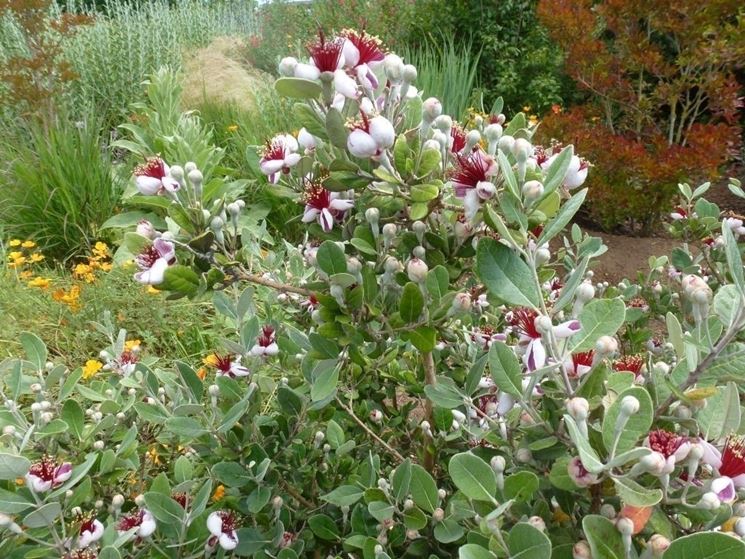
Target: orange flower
[{"x": 218, "y": 494}]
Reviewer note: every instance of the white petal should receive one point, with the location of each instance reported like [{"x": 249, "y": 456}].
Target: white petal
[
  {"x": 148, "y": 525},
  {"x": 214, "y": 524},
  {"x": 471, "y": 203},
  {"x": 148, "y": 186},
  {"x": 326, "y": 220},
  {"x": 292, "y": 159},
  {"x": 310, "y": 214},
  {"x": 155, "y": 274},
  {"x": 307, "y": 71},
  {"x": 382, "y": 131},
  {"x": 338, "y": 102},
  {"x": 575, "y": 180},
  {"x": 351, "y": 53},
  {"x": 171, "y": 184},
  {"x": 290, "y": 142},
  {"x": 271, "y": 349},
  {"x": 366, "y": 106},
  {"x": 271, "y": 166},
  {"x": 345, "y": 85},
  {"x": 711, "y": 456},
  {"x": 165, "y": 248},
  {"x": 306, "y": 139},
  {"x": 227, "y": 542},
  {"x": 341, "y": 204},
  {"x": 505, "y": 403},
  {"x": 739, "y": 481},
  {"x": 724, "y": 488},
  {"x": 361, "y": 144},
  {"x": 566, "y": 329}
]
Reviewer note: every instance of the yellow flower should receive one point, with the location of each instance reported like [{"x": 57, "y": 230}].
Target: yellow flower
[
  {"x": 70, "y": 299},
  {"x": 132, "y": 345},
  {"x": 40, "y": 282},
  {"x": 26, "y": 275},
  {"x": 526, "y": 109},
  {"x": 84, "y": 272},
  {"x": 150, "y": 290},
  {"x": 232, "y": 128},
  {"x": 92, "y": 366},
  {"x": 15, "y": 255},
  {"x": 15, "y": 243},
  {"x": 218, "y": 494},
  {"x": 202, "y": 373},
  {"x": 106, "y": 267},
  {"x": 211, "y": 360},
  {"x": 36, "y": 257},
  {"x": 28, "y": 244},
  {"x": 533, "y": 120}
]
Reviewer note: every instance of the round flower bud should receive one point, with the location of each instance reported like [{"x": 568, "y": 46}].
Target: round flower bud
[
  {"x": 376, "y": 416},
  {"x": 462, "y": 302},
  {"x": 411, "y": 534},
  {"x": 49, "y": 365},
  {"x": 409, "y": 73},
  {"x": 608, "y": 511},
  {"x": 443, "y": 123},
  {"x": 506, "y": 143},
  {"x": 606, "y": 345},
  {"x": 543, "y": 324},
  {"x": 47, "y": 416},
  {"x": 683, "y": 412},
  {"x": 498, "y": 464},
  {"x": 493, "y": 132},
  {"x": 277, "y": 502},
  {"x": 9, "y": 430},
  {"x": 654, "y": 463},
  {"x": 740, "y": 527},
  {"x": 417, "y": 270},
  {"x": 196, "y": 177},
  {"x": 578, "y": 408},
  {"x": 537, "y": 522},
  {"x": 5, "y": 520},
  {"x": 542, "y": 255},
  {"x": 408, "y": 504},
  {"x": 441, "y": 138},
  {"x": 98, "y": 445},
  {"x": 532, "y": 190},
  {"x": 36, "y": 387},
  {"x": 625, "y": 526},
  {"x": 629, "y": 405},
  {"x": 522, "y": 149},
  {"x": 441, "y": 493},
  {"x": 419, "y": 228},
  {"x": 382, "y": 131},
  {"x": 177, "y": 172},
  {"x": 702, "y": 296},
  {"x": 392, "y": 265},
  {"x": 233, "y": 209},
  {"x": 319, "y": 437},
  {"x": 486, "y": 190},
  {"x": 658, "y": 544},
  {"x": 372, "y": 215},
  {"x": 189, "y": 167},
  {"x": 523, "y": 455},
  {"x": 117, "y": 501},
  {"x": 36, "y": 407},
  {"x": 354, "y": 266},
  {"x": 661, "y": 367},
  {"x": 438, "y": 515},
  {"x": 389, "y": 231},
  {"x": 709, "y": 501},
  {"x": 393, "y": 67},
  {"x": 581, "y": 550},
  {"x": 473, "y": 137},
  {"x": 585, "y": 291},
  {"x": 213, "y": 390},
  {"x": 287, "y": 66},
  {"x": 432, "y": 145},
  {"x": 431, "y": 109}
]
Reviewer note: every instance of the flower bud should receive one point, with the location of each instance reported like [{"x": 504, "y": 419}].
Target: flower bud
[
  {"x": 372, "y": 215},
  {"x": 382, "y": 131},
  {"x": 606, "y": 345},
  {"x": 542, "y": 255},
  {"x": 629, "y": 406},
  {"x": 578, "y": 408},
  {"x": 319, "y": 437},
  {"x": 5, "y": 520},
  {"x": 419, "y": 228},
  {"x": 654, "y": 463},
  {"x": 498, "y": 464},
  {"x": 189, "y": 167},
  {"x": 658, "y": 544},
  {"x": 287, "y": 66},
  {"x": 9, "y": 430},
  {"x": 472, "y": 138},
  {"x": 376, "y": 416},
  {"x": 493, "y": 132},
  {"x": 441, "y": 494},
  {"x": 409, "y": 74},
  {"x": 431, "y": 109},
  {"x": 277, "y": 502},
  {"x": 393, "y": 67},
  {"x": 506, "y": 143},
  {"x": 438, "y": 515},
  {"x": 532, "y": 190},
  {"x": 432, "y": 145},
  {"x": 417, "y": 270},
  {"x": 196, "y": 177},
  {"x": 213, "y": 390},
  {"x": 441, "y": 138},
  {"x": 523, "y": 455},
  {"x": 408, "y": 504},
  {"x": 537, "y": 522},
  {"x": 233, "y": 209},
  {"x": 461, "y": 302},
  {"x": 709, "y": 501},
  {"x": 585, "y": 291},
  {"x": 625, "y": 526},
  {"x": 740, "y": 527},
  {"x": 608, "y": 511},
  {"x": 581, "y": 550},
  {"x": 117, "y": 501},
  {"x": 389, "y": 231},
  {"x": 486, "y": 190},
  {"x": 35, "y": 387},
  {"x": 177, "y": 172},
  {"x": 522, "y": 149},
  {"x": 98, "y": 445},
  {"x": 392, "y": 265}
]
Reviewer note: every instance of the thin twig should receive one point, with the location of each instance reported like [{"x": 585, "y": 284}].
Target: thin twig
[{"x": 370, "y": 432}]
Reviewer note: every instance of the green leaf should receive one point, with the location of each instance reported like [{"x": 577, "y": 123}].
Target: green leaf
[
  {"x": 34, "y": 348},
  {"x": 164, "y": 509},
  {"x": 324, "y": 527},
  {"x": 425, "y": 192},
  {"x": 424, "y": 338},
  {"x": 308, "y": 119},
  {"x": 231, "y": 474},
  {"x": 12, "y": 466},
  {"x": 336, "y": 129},
  {"x": 130, "y": 219},
  {"x": 72, "y": 414},
  {"x": 331, "y": 259},
  {"x": 565, "y": 215},
  {"x": 109, "y": 552},
  {"x": 448, "y": 531},
  {"x": 727, "y": 303},
  {"x": 45, "y": 515},
  {"x": 325, "y": 384},
  {"x": 182, "y": 469},
  {"x": 290, "y": 402},
  {"x": 637, "y": 425},
  {"x": 423, "y": 488},
  {"x": 603, "y": 537},
  {"x": 191, "y": 380},
  {"x": 509, "y": 175},
  {"x": 185, "y": 427},
  {"x": 520, "y": 486},
  {"x": 528, "y": 542},
  {"x": 474, "y": 551},
  {"x": 473, "y": 477},
  {"x": 505, "y": 369},
  {"x": 381, "y": 510},
  {"x": 11, "y": 503},
  {"x": 734, "y": 260},
  {"x": 636, "y": 495},
  {"x": 600, "y": 317},
  {"x": 559, "y": 475},
  {"x": 706, "y": 545},
  {"x": 587, "y": 454},
  {"x": 505, "y": 274},
  {"x": 401, "y": 480},
  {"x": 437, "y": 282},
  {"x": 298, "y": 88},
  {"x": 557, "y": 171},
  {"x": 412, "y": 303},
  {"x": 346, "y": 495},
  {"x": 334, "y": 434},
  {"x": 180, "y": 279},
  {"x": 721, "y": 415},
  {"x": 444, "y": 393}
]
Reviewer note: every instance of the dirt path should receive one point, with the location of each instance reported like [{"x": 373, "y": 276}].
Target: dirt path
[{"x": 627, "y": 255}]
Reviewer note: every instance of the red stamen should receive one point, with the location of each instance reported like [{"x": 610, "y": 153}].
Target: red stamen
[
  {"x": 665, "y": 442},
  {"x": 523, "y": 319},
  {"x": 733, "y": 457}
]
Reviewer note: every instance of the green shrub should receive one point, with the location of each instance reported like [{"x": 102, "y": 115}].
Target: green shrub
[{"x": 59, "y": 184}]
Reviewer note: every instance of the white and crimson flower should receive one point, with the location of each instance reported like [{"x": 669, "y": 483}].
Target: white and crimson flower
[
  {"x": 226, "y": 365},
  {"x": 579, "y": 474},
  {"x": 153, "y": 177},
  {"x": 222, "y": 525},
  {"x": 576, "y": 173},
  {"x": 530, "y": 342},
  {"x": 485, "y": 335},
  {"x": 279, "y": 155},
  {"x": 470, "y": 180},
  {"x": 47, "y": 474},
  {"x": 678, "y": 214},
  {"x": 369, "y": 137},
  {"x": 141, "y": 519},
  {"x": 154, "y": 261},
  {"x": 362, "y": 53},
  {"x": 326, "y": 55},
  {"x": 673, "y": 448},
  {"x": 579, "y": 364},
  {"x": 266, "y": 345},
  {"x": 323, "y": 206},
  {"x": 91, "y": 530},
  {"x": 730, "y": 464}
]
